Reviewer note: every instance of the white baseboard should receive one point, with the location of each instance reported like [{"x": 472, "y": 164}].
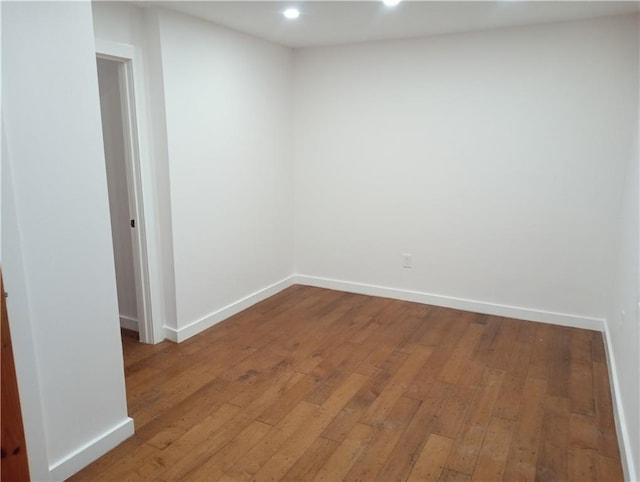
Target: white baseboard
[
  {"x": 626, "y": 454},
  {"x": 222, "y": 314},
  {"x": 528, "y": 314},
  {"x": 129, "y": 323},
  {"x": 91, "y": 451}
]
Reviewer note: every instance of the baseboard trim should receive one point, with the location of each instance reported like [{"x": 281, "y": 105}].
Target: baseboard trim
[
  {"x": 528, "y": 314},
  {"x": 91, "y": 451},
  {"x": 626, "y": 455},
  {"x": 222, "y": 314},
  {"x": 129, "y": 323}
]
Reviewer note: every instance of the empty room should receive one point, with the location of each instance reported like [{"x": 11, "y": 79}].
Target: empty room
[{"x": 318, "y": 240}]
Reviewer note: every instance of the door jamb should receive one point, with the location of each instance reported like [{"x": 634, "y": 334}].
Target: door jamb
[{"x": 150, "y": 326}]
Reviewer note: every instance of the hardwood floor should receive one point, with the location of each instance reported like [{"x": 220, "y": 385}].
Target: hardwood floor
[{"x": 313, "y": 384}]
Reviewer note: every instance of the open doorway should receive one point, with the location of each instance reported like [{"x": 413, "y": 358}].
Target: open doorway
[
  {"x": 125, "y": 200},
  {"x": 120, "y": 202}
]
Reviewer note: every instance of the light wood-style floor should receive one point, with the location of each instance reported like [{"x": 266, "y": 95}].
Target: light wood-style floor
[{"x": 314, "y": 384}]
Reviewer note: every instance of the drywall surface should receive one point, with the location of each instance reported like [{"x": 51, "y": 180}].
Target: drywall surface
[
  {"x": 114, "y": 152},
  {"x": 624, "y": 318},
  {"x": 494, "y": 158},
  {"x": 228, "y": 112},
  {"x": 52, "y": 126}
]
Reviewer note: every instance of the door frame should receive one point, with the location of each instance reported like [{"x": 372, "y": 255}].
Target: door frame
[{"x": 139, "y": 186}]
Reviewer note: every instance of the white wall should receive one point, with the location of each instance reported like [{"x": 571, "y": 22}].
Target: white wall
[
  {"x": 228, "y": 112},
  {"x": 69, "y": 331},
  {"x": 114, "y": 152},
  {"x": 624, "y": 328},
  {"x": 495, "y": 158}
]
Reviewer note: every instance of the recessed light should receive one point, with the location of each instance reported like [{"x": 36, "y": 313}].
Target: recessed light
[
  {"x": 291, "y": 13},
  {"x": 391, "y": 3}
]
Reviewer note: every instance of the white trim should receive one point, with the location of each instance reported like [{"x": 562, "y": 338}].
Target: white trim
[
  {"x": 150, "y": 296},
  {"x": 223, "y": 313},
  {"x": 136, "y": 210},
  {"x": 114, "y": 50},
  {"x": 129, "y": 323},
  {"x": 484, "y": 307},
  {"x": 96, "y": 448},
  {"x": 626, "y": 454}
]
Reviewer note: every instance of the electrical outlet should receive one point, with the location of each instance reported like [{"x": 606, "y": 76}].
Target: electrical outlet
[{"x": 407, "y": 262}]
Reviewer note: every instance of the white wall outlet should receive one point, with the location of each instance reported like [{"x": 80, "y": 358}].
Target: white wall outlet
[{"x": 407, "y": 262}]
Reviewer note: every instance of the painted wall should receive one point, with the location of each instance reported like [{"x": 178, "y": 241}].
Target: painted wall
[
  {"x": 59, "y": 197},
  {"x": 624, "y": 318},
  {"x": 495, "y": 158},
  {"x": 228, "y": 113},
  {"x": 114, "y": 152}
]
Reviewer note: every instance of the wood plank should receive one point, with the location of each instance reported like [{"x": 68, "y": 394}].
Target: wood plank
[
  {"x": 492, "y": 458},
  {"x": 177, "y": 421},
  {"x": 449, "y": 475},
  {"x": 430, "y": 464},
  {"x": 289, "y": 400},
  {"x": 541, "y": 352},
  {"x": 581, "y": 394},
  {"x": 608, "y": 469},
  {"x": 462, "y": 354},
  {"x": 484, "y": 348},
  {"x": 345, "y": 455},
  {"x": 553, "y": 453},
  {"x": 560, "y": 358},
  {"x": 328, "y": 379},
  {"x": 450, "y": 420},
  {"x": 583, "y": 432},
  {"x": 250, "y": 463},
  {"x": 195, "y": 447},
  {"x": 467, "y": 446},
  {"x": 606, "y": 428},
  {"x": 582, "y": 465},
  {"x": 126, "y": 463},
  {"x": 338, "y": 386},
  {"x": 388, "y": 397},
  {"x": 598, "y": 354},
  {"x": 384, "y": 439},
  {"x": 526, "y": 441},
  {"x": 406, "y": 452},
  {"x": 508, "y": 403},
  {"x": 311, "y": 461},
  {"x": 504, "y": 344},
  {"x": 421, "y": 384},
  {"x": 418, "y": 316},
  {"x": 361, "y": 401},
  {"x": 215, "y": 467},
  {"x": 295, "y": 446}
]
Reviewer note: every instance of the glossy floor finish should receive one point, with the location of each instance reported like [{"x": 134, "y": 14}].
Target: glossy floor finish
[{"x": 314, "y": 384}]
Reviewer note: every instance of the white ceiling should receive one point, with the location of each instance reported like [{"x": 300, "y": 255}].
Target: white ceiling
[{"x": 338, "y": 22}]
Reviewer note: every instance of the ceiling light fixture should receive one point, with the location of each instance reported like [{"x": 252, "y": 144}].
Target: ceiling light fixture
[
  {"x": 391, "y": 3},
  {"x": 291, "y": 13}
]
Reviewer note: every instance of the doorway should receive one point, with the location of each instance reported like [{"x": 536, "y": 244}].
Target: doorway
[
  {"x": 117, "y": 110},
  {"x": 120, "y": 202}
]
